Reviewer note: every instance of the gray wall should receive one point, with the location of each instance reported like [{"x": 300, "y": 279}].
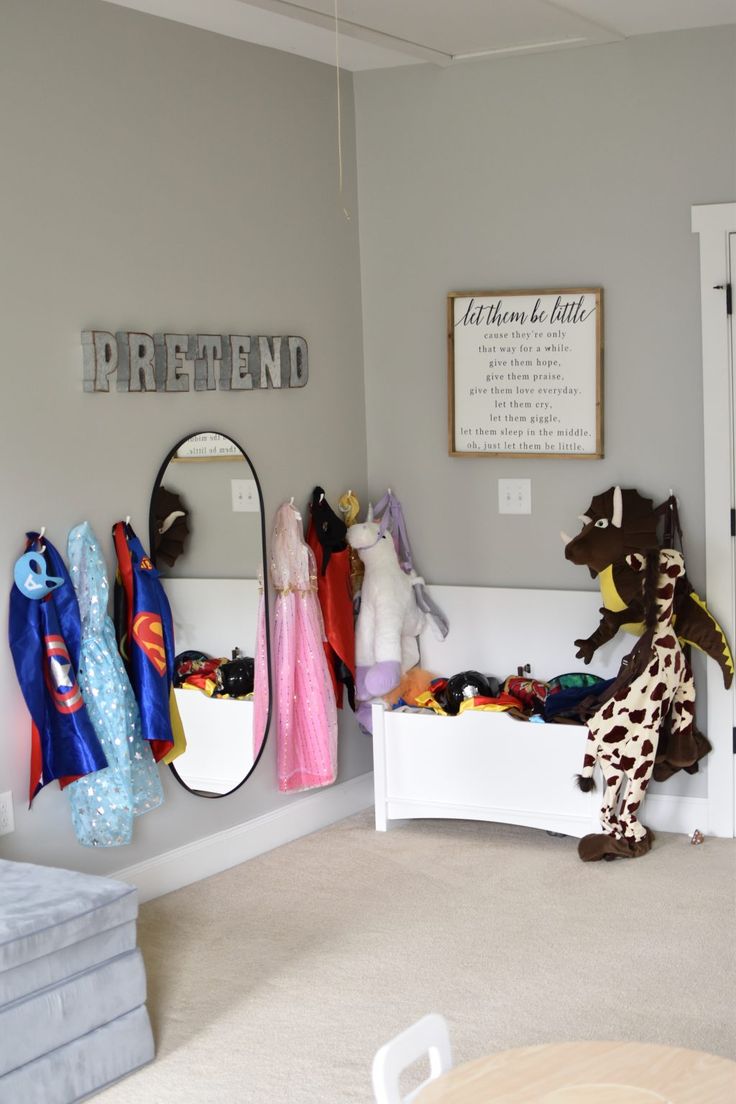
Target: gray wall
[
  {"x": 565, "y": 169},
  {"x": 162, "y": 178},
  {"x": 157, "y": 177}
]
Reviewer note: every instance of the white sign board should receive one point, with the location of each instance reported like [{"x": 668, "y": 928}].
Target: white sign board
[
  {"x": 525, "y": 373},
  {"x": 208, "y": 446}
]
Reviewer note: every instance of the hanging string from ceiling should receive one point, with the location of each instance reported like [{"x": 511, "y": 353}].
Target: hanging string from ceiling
[{"x": 345, "y": 211}]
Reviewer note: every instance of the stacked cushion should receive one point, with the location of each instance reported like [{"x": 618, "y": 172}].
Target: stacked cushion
[{"x": 72, "y": 984}]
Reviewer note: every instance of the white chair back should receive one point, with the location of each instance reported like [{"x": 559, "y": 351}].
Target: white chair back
[{"x": 430, "y": 1036}]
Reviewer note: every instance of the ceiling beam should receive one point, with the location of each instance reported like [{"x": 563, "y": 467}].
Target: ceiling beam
[{"x": 414, "y": 50}]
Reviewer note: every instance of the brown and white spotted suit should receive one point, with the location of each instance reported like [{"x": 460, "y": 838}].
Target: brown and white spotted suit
[{"x": 623, "y": 733}]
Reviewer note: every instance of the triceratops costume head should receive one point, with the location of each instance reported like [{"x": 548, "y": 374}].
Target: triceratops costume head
[{"x": 615, "y": 524}]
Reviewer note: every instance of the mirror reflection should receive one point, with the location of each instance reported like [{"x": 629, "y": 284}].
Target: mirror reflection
[{"x": 207, "y": 539}]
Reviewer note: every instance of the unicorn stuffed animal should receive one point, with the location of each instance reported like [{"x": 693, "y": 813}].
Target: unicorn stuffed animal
[{"x": 389, "y": 620}]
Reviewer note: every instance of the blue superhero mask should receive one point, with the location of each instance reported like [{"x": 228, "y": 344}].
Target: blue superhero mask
[{"x": 32, "y": 578}]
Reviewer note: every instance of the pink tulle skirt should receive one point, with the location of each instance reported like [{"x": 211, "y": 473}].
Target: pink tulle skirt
[{"x": 304, "y": 712}]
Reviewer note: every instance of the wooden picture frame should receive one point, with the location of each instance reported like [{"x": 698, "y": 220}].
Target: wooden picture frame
[{"x": 525, "y": 373}]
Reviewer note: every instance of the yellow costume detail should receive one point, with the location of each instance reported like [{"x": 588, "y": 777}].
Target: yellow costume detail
[
  {"x": 177, "y": 729},
  {"x": 349, "y": 507},
  {"x": 612, "y": 601},
  {"x": 726, "y": 650}
]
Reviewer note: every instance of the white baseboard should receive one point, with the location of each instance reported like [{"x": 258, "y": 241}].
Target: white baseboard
[
  {"x": 197, "y": 860},
  {"x": 668, "y": 813}
]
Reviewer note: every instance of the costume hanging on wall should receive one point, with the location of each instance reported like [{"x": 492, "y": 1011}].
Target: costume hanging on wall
[
  {"x": 389, "y": 514},
  {"x": 326, "y": 537},
  {"x": 655, "y": 687},
  {"x": 44, "y": 642},
  {"x": 306, "y": 712},
  {"x": 145, "y": 637},
  {"x": 619, "y": 522},
  {"x": 261, "y": 698},
  {"x": 105, "y": 803},
  {"x": 616, "y": 524},
  {"x": 389, "y": 620},
  {"x": 349, "y": 507}
]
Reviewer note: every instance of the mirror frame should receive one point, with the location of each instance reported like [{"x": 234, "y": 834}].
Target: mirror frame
[{"x": 151, "y": 538}]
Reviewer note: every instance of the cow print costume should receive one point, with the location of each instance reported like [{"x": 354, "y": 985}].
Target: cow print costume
[{"x": 623, "y": 733}]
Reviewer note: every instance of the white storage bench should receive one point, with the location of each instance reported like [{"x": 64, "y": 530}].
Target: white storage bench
[{"x": 490, "y": 766}]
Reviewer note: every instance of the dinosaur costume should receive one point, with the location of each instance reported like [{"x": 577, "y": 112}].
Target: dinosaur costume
[
  {"x": 656, "y": 685},
  {"x": 615, "y": 524}
]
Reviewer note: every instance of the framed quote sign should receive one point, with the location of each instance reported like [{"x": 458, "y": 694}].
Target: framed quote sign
[{"x": 525, "y": 373}]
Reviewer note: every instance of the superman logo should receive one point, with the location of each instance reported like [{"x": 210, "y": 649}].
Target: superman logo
[
  {"x": 148, "y": 633},
  {"x": 145, "y": 564},
  {"x": 60, "y": 679}
]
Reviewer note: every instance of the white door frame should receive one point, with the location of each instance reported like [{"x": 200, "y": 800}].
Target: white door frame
[{"x": 714, "y": 222}]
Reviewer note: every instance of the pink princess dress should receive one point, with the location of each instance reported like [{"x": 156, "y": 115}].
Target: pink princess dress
[{"x": 306, "y": 714}]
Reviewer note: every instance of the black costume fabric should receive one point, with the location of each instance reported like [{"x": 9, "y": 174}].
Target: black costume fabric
[{"x": 326, "y": 537}]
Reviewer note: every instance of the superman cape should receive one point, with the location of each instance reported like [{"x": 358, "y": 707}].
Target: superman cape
[
  {"x": 145, "y": 634},
  {"x": 45, "y": 639}
]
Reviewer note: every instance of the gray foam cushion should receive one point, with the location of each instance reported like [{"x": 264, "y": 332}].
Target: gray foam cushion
[
  {"x": 55, "y": 1016},
  {"x": 50, "y": 969},
  {"x": 84, "y": 1066},
  {"x": 43, "y": 909}
]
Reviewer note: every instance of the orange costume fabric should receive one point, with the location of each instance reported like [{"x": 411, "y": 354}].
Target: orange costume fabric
[{"x": 334, "y": 591}]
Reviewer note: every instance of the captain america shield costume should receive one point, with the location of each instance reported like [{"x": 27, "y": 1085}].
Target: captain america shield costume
[{"x": 44, "y": 639}]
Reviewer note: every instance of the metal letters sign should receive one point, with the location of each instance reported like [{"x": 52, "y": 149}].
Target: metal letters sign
[{"x": 200, "y": 362}]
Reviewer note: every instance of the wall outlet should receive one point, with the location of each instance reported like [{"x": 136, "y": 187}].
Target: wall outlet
[
  {"x": 245, "y": 496},
  {"x": 7, "y": 822},
  {"x": 514, "y": 496}
]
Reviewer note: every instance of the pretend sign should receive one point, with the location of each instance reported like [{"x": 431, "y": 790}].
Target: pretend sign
[{"x": 525, "y": 373}]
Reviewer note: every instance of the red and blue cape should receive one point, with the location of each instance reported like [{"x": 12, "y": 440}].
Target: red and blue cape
[
  {"x": 145, "y": 635},
  {"x": 45, "y": 638}
]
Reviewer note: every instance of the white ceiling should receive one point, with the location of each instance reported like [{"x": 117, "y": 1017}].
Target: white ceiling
[{"x": 376, "y": 34}]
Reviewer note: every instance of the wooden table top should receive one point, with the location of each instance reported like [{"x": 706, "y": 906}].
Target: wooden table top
[{"x": 588, "y": 1073}]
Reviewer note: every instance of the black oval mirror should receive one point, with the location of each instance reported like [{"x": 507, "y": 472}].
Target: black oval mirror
[{"x": 207, "y": 538}]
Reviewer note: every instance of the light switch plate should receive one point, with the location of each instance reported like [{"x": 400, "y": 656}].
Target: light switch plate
[
  {"x": 514, "y": 496},
  {"x": 245, "y": 496}
]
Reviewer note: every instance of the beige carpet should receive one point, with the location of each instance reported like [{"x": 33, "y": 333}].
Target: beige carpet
[{"x": 278, "y": 980}]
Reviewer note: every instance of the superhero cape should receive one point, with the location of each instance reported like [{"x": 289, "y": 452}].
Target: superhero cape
[
  {"x": 145, "y": 634},
  {"x": 326, "y": 537},
  {"x": 44, "y": 641}
]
